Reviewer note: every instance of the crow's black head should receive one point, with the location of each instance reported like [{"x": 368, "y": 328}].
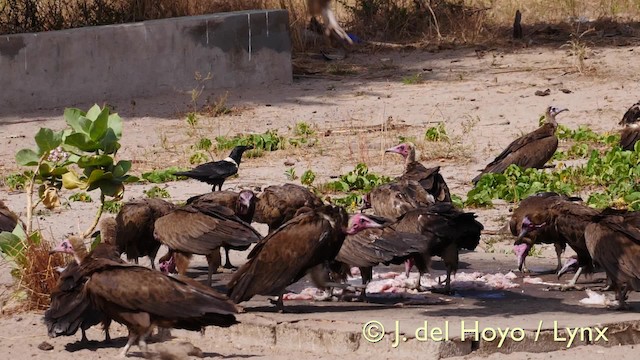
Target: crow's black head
[{"x": 236, "y": 153}]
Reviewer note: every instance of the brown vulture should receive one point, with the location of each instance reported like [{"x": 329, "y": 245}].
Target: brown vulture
[
  {"x": 141, "y": 298},
  {"x": 447, "y": 230},
  {"x": 532, "y": 150},
  {"x": 202, "y": 229},
  {"x": 375, "y": 246},
  {"x": 70, "y": 308},
  {"x": 8, "y": 219},
  {"x": 216, "y": 172},
  {"x": 631, "y": 131},
  {"x": 243, "y": 204},
  {"x": 535, "y": 202},
  {"x": 331, "y": 26},
  {"x": 564, "y": 221},
  {"x": 135, "y": 226},
  {"x": 613, "y": 240},
  {"x": 312, "y": 238},
  {"x": 278, "y": 204},
  {"x": 430, "y": 179},
  {"x": 396, "y": 198}
]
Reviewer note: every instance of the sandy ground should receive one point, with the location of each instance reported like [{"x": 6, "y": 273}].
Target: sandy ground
[{"x": 485, "y": 97}]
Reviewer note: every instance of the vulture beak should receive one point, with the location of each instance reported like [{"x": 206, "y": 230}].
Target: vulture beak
[
  {"x": 359, "y": 222},
  {"x": 408, "y": 265},
  {"x": 64, "y": 247},
  {"x": 568, "y": 265},
  {"x": 393, "y": 150},
  {"x": 522, "y": 234},
  {"x": 521, "y": 251}
]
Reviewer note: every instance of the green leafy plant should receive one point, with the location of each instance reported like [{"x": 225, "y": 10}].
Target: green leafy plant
[
  {"x": 290, "y": 173},
  {"x": 358, "y": 179},
  {"x": 81, "y": 197},
  {"x": 303, "y": 129},
  {"x": 163, "y": 175},
  {"x": 308, "y": 177},
  {"x": 351, "y": 201},
  {"x": 112, "y": 206},
  {"x": 269, "y": 141},
  {"x": 157, "y": 192},
  {"x": 198, "y": 158},
  {"x": 17, "y": 181},
  {"x": 82, "y": 156},
  {"x": 436, "y": 133},
  {"x": 413, "y": 79}
]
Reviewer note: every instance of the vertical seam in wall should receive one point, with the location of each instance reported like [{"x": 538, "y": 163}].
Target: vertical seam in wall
[{"x": 249, "y": 26}]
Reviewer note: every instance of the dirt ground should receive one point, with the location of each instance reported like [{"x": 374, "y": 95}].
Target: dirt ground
[{"x": 485, "y": 97}]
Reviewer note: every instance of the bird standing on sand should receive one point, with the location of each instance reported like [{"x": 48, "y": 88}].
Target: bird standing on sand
[
  {"x": 216, "y": 172},
  {"x": 532, "y": 150}
]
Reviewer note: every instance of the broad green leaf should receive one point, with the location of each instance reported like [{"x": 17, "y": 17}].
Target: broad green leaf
[
  {"x": 44, "y": 169},
  {"x": 47, "y": 140},
  {"x": 111, "y": 188},
  {"x": 97, "y": 175},
  {"x": 121, "y": 168},
  {"x": 99, "y": 126},
  {"x": 59, "y": 170},
  {"x": 11, "y": 245},
  {"x": 95, "y": 160},
  {"x": 27, "y": 157},
  {"x": 109, "y": 142},
  {"x": 130, "y": 179},
  {"x": 115, "y": 123},
  {"x": 93, "y": 113},
  {"x": 70, "y": 181},
  {"x": 82, "y": 141},
  {"x": 76, "y": 120}
]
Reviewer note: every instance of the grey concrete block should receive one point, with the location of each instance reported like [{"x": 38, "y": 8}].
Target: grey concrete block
[{"x": 118, "y": 62}]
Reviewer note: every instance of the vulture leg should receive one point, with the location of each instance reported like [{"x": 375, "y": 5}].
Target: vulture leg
[
  {"x": 132, "y": 338},
  {"x": 422, "y": 263},
  {"x": 142, "y": 341},
  {"x": 280, "y": 302},
  {"x": 105, "y": 325},
  {"x": 559, "y": 250},
  {"x": 367, "y": 275},
  {"x": 227, "y": 261},
  {"x": 450, "y": 257},
  {"x": 621, "y": 296},
  {"x": 573, "y": 281},
  {"x": 214, "y": 262},
  {"x": 84, "y": 338}
]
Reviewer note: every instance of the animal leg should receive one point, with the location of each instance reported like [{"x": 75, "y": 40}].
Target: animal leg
[
  {"x": 105, "y": 326},
  {"x": 559, "y": 250},
  {"x": 227, "y": 261},
  {"x": 367, "y": 275},
  {"x": 132, "y": 338},
  {"x": 213, "y": 260},
  {"x": 571, "y": 285},
  {"x": 84, "y": 336},
  {"x": 575, "y": 277},
  {"x": 142, "y": 341}
]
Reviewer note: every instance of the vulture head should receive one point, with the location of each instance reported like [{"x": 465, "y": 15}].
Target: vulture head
[
  {"x": 359, "y": 222},
  {"x": 246, "y": 202},
  {"x": 168, "y": 266},
  {"x": 73, "y": 245},
  {"x": 407, "y": 150},
  {"x": 530, "y": 225},
  {"x": 552, "y": 112},
  {"x": 521, "y": 251}
]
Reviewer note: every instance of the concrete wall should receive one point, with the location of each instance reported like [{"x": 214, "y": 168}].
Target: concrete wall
[{"x": 118, "y": 62}]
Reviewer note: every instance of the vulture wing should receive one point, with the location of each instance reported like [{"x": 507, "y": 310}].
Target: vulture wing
[
  {"x": 284, "y": 256},
  {"x": 374, "y": 246},
  {"x": 202, "y": 230}
]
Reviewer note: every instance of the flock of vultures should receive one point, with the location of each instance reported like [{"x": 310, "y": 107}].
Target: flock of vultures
[{"x": 409, "y": 220}]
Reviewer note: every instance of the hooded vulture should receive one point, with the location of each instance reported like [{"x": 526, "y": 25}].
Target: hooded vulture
[
  {"x": 562, "y": 221},
  {"x": 631, "y": 131},
  {"x": 141, "y": 298},
  {"x": 371, "y": 247},
  {"x": 70, "y": 307},
  {"x": 430, "y": 178},
  {"x": 613, "y": 240},
  {"x": 202, "y": 229},
  {"x": 135, "y": 226},
  {"x": 8, "y": 219},
  {"x": 396, "y": 198},
  {"x": 532, "y": 150},
  {"x": 447, "y": 230},
  {"x": 243, "y": 205},
  {"x": 312, "y": 238},
  {"x": 216, "y": 172},
  {"x": 278, "y": 204},
  {"x": 537, "y": 202}
]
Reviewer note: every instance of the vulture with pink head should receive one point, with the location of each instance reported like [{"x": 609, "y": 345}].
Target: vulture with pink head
[
  {"x": 242, "y": 203},
  {"x": 278, "y": 204},
  {"x": 313, "y": 237},
  {"x": 532, "y": 150},
  {"x": 613, "y": 240},
  {"x": 142, "y": 299},
  {"x": 135, "y": 227},
  {"x": 429, "y": 178},
  {"x": 202, "y": 228}
]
